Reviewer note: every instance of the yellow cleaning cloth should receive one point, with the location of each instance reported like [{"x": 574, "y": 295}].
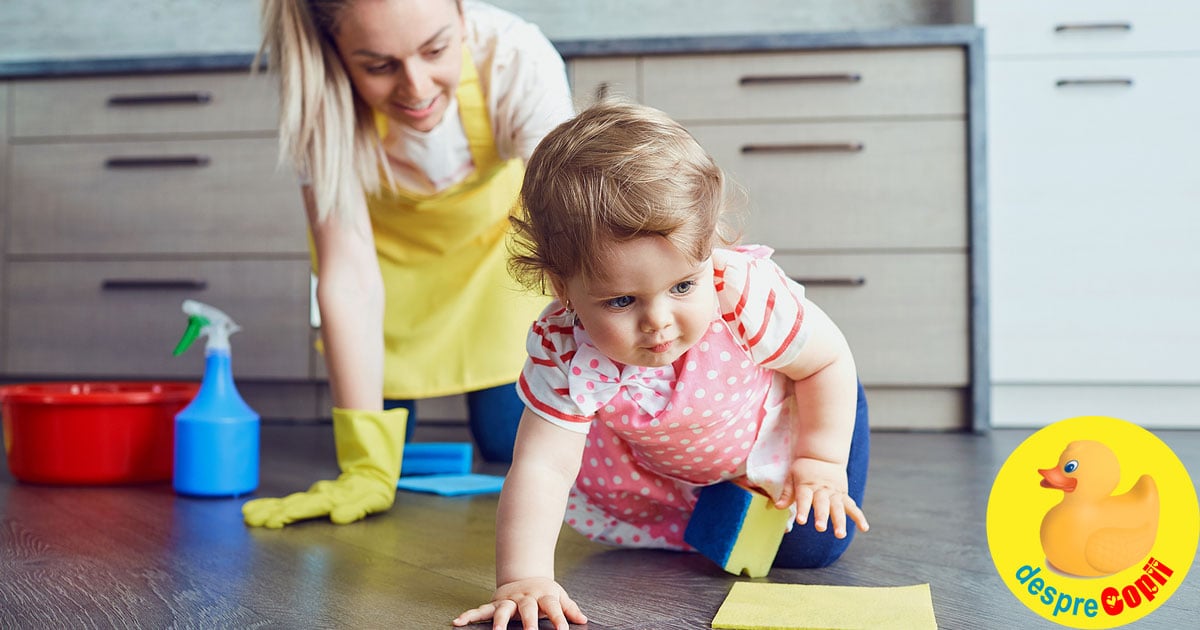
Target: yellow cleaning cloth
[{"x": 765, "y": 606}]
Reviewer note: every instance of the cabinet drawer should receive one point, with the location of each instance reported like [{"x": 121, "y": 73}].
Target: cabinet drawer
[
  {"x": 847, "y": 185},
  {"x": 904, "y": 315},
  {"x": 827, "y": 84},
  {"x": 4, "y": 91},
  {"x": 1097, "y": 224},
  {"x": 1123, "y": 147},
  {"x": 190, "y": 103},
  {"x": 598, "y": 77},
  {"x": 122, "y": 319},
  {"x": 919, "y": 408},
  {"x": 1050, "y": 27},
  {"x": 68, "y": 199}
]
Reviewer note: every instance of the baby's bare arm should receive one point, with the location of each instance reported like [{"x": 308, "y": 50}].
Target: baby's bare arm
[
  {"x": 546, "y": 461},
  {"x": 826, "y": 401}
]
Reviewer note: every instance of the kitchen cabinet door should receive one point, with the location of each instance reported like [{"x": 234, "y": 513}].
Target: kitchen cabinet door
[
  {"x": 881, "y": 184},
  {"x": 1095, "y": 221},
  {"x": 193, "y": 103},
  {"x": 1085, "y": 27},
  {"x": 603, "y": 77},
  {"x": 121, "y": 319},
  {"x": 165, "y": 197},
  {"x": 4, "y": 95}
]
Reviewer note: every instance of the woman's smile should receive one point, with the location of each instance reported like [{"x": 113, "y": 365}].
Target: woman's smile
[{"x": 421, "y": 109}]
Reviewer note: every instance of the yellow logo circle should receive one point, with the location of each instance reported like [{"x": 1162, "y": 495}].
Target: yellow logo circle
[{"x": 1093, "y": 522}]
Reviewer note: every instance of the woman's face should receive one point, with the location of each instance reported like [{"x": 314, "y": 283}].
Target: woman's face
[{"x": 403, "y": 56}]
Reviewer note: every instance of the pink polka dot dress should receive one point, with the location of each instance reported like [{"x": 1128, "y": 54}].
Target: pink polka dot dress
[{"x": 656, "y": 435}]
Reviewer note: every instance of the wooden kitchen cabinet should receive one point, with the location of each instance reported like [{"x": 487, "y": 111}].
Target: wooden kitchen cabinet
[
  {"x": 122, "y": 318},
  {"x": 823, "y": 84},
  {"x": 126, "y": 195},
  {"x": 4, "y": 98},
  {"x": 145, "y": 105},
  {"x": 878, "y": 184},
  {"x": 863, "y": 174},
  {"x": 1094, "y": 222},
  {"x": 855, "y": 167},
  {"x": 230, "y": 200},
  {"x": 594, "y": 78}
]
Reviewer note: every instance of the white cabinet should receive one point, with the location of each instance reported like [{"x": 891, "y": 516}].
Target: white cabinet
[
  {"x": 855, "y": 167},
  {"x": 1094, "y": 210}
]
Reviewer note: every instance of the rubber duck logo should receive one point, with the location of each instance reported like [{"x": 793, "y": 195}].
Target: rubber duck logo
[
  {"x": 1093, "y": 532},
  {"x": 1093, "y": 522}
]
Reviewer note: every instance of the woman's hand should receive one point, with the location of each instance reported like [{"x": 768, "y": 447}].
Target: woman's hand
[
  {"x": 821, "y": 486},
  {"x": 529, "y": 599}
]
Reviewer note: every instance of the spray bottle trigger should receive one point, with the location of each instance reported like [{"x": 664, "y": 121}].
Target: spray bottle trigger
[{"x": 196, "y": 323}]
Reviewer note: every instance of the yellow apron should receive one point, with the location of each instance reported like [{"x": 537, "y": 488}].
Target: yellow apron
[{"x": 454, "y": 321}]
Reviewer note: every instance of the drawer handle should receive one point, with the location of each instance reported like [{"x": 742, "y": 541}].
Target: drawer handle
[
  {"x": 846, "y": 281},
  {"x": 778, "y": 79},
  {"x": 805, "y": 147},
  {"x": 1094, "y": 26},
  {"x": 601, "y": 92},
  {"x": 153, "y": 284},
  {"x": 157, "y": 161},
  {"x": 179, "y": 98},
  {"x": 1095, "y": 81}
]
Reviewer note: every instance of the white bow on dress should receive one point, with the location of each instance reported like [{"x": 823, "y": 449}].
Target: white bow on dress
[{"x": 594, "y": 379}]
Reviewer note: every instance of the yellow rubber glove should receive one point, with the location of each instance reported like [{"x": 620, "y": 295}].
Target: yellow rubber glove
[{"x": 370, "y": 445}]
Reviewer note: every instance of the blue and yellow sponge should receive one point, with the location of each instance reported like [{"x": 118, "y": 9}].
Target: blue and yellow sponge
[{"x": 738, "y": 529}]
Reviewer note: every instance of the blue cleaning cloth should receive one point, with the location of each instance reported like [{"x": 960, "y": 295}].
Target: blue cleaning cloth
[{"x": 452, "y": 485}]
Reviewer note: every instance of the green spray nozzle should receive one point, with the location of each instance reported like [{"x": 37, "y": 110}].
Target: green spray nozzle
[
  {"x": 196, "y": 323},
  {"x": 205, "y": 320}
]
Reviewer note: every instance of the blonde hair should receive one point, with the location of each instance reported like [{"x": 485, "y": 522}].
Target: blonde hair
[
  {"x": 325, "y": 129},
  {"x": 615, "y": 172}
]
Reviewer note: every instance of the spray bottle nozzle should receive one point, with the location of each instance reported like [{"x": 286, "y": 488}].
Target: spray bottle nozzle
[{"x": 205, "y": 320}]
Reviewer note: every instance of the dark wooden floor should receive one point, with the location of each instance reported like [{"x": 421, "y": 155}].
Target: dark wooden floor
[{"x": 141, "y": 557}]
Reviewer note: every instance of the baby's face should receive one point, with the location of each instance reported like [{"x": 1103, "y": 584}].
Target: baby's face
[{"x": 653, "y": 305}]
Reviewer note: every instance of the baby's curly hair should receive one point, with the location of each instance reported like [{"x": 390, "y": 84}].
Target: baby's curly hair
[{"x": 615, "y": 172}]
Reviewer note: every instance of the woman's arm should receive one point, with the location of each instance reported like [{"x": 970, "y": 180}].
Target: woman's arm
[{"x": 351, "y": 298}]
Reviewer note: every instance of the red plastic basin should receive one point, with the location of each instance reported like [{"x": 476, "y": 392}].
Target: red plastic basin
[{"x": 92, "y": 433}]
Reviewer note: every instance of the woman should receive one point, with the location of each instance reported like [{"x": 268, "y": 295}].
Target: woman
[{"x": 410, "y": 121}]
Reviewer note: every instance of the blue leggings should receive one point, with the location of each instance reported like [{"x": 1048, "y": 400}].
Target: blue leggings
[
  {"x": 806, "y": 548},
  {"x": 493, "y": 415}
]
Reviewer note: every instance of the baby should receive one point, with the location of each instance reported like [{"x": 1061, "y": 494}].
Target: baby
[{"x": 667, "y": 362}]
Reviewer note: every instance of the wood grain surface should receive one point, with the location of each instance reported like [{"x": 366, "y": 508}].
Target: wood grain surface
[{"x": 142, "y": 557}]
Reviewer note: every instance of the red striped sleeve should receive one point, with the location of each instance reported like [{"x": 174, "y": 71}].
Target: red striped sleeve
[
  {"x": 761, "y": 306},
  {"x": 543, "y": 409},
  {"x": 543, "y": 382},
  {"x": 765, "y": 324},
  {"x": 559, "y": 329},
  {"x": 791, "y": 336}
]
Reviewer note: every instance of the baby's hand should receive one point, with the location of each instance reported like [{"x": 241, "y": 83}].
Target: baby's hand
[
  {"x": 821, "y": 486},
  {"x": 529, "y": 599}
]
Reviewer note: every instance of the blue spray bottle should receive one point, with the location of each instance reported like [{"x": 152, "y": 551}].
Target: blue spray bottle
[{"x": 216, "y": 435}]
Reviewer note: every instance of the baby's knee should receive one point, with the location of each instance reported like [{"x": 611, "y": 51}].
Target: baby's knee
[{"x": 806, "y": 548}]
